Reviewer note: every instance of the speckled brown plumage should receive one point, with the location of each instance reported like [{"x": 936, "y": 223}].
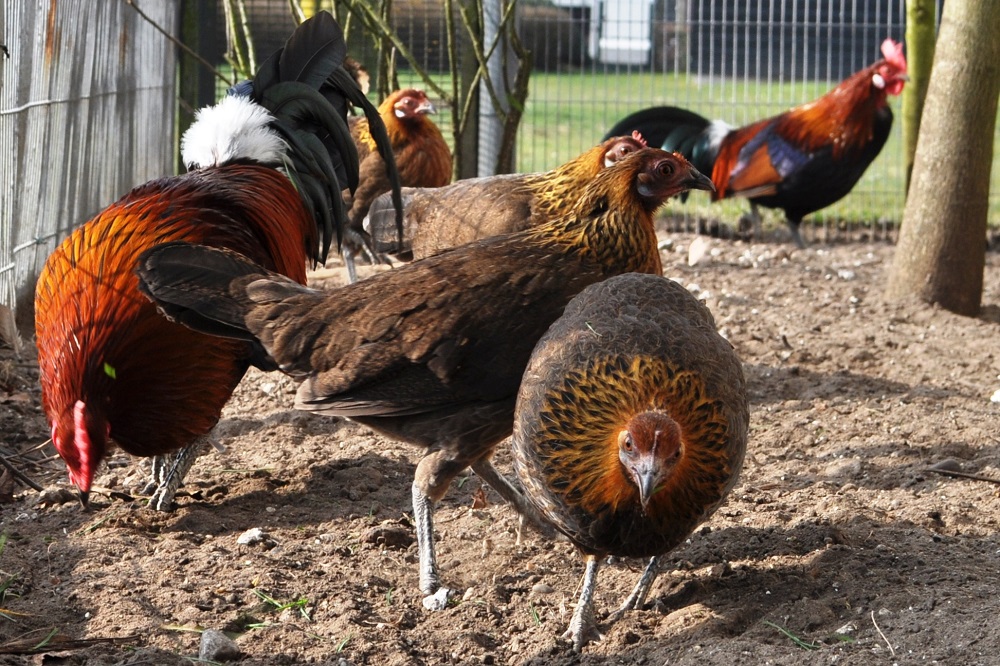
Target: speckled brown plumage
[
  {"x": 431, "y": 353},
  {"x": 435, "y": 219},
  {"x": 632, "y": 349}
]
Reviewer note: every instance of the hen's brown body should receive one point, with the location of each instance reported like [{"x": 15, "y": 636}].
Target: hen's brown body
[
  {"x": 438, "y": 218},
  {"x": 431, "y": 353},
  {"x": 112, "y": 369},
  {"x": 631, "y": 423}
]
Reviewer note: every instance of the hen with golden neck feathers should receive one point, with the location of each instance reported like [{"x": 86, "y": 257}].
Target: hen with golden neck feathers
[{"x": 631, "y": 422}]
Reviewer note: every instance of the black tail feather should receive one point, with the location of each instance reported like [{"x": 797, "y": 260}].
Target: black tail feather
[
  {"x": 313, "y": 59},
  {"x": 674, "y": 129},
  {"x": 200, "y": 287},
  {"x": 657, "y": 122},
  {"x": 381, "y": 225}
]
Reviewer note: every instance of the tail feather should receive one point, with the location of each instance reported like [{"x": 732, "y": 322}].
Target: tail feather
[
  {"x": 658, "y": 122},
  {"x": 377, "y": 129},
  {"x": 313, "y": 58},
  {"x": 202, "y": 288},
  {"x": 316, "y": 48},
  {"x": 381, "y": 225},
  {"x": 676, "y": 130},
  {"x": 302, "y": 93},
  {"x": 298, "y": 111}
]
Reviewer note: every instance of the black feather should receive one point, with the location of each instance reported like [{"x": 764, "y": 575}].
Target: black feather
[
  {"x": 656, "y": 123},
  {"x": 315, "y": 49},
  {"x": 306, "y": 88}
]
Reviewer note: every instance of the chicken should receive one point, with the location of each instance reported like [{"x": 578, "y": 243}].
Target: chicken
[
  {"x": 421, "y": 155},
  {"x": 113, "y": 370},
  {"x": 438, "y": 218},
  {"x": 431, "y": 353},
  {"x": 631, "y": 425},
  {"x": 799, "y": 161}
]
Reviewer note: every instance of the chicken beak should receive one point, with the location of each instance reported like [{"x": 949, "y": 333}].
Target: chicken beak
[
  {"x": 426, "y": 107},
  {"x": 699, "y": 181},
  {"x": 647, "y": 477},
  {"x": 85, "y": 499}
]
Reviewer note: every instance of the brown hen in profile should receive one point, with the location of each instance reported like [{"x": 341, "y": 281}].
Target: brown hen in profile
[
  {"x": 631, "y": 425},
  {"x": 438, "y": 218},
  {"x": 420, "y": 152},
  {"x": 431, "y": 353}
]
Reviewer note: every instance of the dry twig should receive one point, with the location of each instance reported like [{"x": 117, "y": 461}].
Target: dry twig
[{"x": 963, "y": 475}]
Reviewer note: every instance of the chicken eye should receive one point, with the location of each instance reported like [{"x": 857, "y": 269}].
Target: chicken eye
[
  {"x": 665, "y": 169},
  {"x": 625, "y": 441}
]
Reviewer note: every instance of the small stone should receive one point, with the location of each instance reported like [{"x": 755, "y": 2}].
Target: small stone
[
  {"x": 55, "y": 496},
  {"x": 697, "y": 250},
  {"x": 251, "y": 537},
  {"x": 216, "y": 646},
  {"x": 542, "y": 588}
]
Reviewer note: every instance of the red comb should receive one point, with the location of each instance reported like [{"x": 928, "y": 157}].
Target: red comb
[
  {"x": 638, "y": 137},
  {"x": 892, "y": 51}
]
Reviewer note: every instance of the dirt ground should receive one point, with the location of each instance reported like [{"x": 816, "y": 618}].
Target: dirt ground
[{"x": 842, "y": 544}]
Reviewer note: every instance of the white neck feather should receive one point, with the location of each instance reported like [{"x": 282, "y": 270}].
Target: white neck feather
[
  {"x": 717, "y": 131},
  {"x": 235, "y": 128}
]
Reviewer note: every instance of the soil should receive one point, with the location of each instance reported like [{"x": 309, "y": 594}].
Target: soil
[{"x": 847, "y": 541}]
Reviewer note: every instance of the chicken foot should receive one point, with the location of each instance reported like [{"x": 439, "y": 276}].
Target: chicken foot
[
  {"x": 169, "y": 471},
  {"x": 637, "y": 598},
  {"x": 582, "y": 626}
]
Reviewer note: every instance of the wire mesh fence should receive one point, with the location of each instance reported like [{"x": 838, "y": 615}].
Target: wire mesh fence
[
  {"x": 595, "y": 62},
  {"x": 86, "y": 112}
]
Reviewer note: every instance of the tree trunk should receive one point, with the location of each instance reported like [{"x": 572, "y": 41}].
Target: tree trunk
[
  {"x": 941, "y": 251},
  {"x": 921, "y": 22}
]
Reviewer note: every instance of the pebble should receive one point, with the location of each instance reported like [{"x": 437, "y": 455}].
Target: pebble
[
  {"x": 542, "y": 588},
  {"x": 251, "y": 537},
  {"x": 216, "y": 646},
  {"x": 698, "y": 250}
]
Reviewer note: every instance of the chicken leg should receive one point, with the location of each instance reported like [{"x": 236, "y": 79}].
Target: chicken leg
[
  {"x": 582, "y": 626},
  {"x": 168, "y": 472},
  {"x": 637, "y": 598}
]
